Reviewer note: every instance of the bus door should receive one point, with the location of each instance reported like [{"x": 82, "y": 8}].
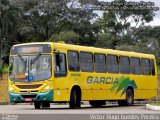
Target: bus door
[{"x": 60, "y": 71}]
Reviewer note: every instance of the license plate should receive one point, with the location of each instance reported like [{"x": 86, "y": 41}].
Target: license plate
[{"x": 28, "y": 99}]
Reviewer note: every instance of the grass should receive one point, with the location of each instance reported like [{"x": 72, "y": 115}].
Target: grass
[
  {"x": 5, "y": 69},
  {"x": 158, "y": 67},
  {"x": 156, "y": 104}
]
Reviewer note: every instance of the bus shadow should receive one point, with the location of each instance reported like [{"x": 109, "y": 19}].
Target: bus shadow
[{"x": 84, "y": 107}]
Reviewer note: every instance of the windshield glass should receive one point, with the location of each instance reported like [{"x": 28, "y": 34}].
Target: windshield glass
[{"x": 30, "y": 68}]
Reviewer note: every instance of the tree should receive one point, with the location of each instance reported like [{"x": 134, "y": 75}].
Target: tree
[
  {"x": 43, "y": 18},
  {"x": 68, "y": 37},
  {"x": 9, "y": 16},
  {"x": 150, "y": 46},
  {"x": 125, "y": 22},
  {"x": 148, "y": 32},
  {"x": 106, "y": 40}
]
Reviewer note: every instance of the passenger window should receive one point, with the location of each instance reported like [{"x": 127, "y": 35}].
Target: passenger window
[
  {"x": 112, "y": 64},
  {"x": 135, "y": 66},
  {"x": 100, "y": 63},
  {"x": 124, "y": 65},
  {"x": 73, "y": 61},
  {"x": 86, "y": 62},
  {"x": 60, "y": 65},
  {"x": 145, "y": 66},
  {"x": 152, "y": 67}
]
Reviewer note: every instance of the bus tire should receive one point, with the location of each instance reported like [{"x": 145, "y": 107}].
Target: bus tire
[
  {"x": 74, "y": 100},
  {"x": 37, "y": 105},
  {"x": 129, "y": 97},
  {"x": 96, "y": 103},
  {"x": 45, "y": 105}
]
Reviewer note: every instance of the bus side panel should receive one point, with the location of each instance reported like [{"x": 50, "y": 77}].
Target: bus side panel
[
  {"x": 99, "y": 86},
  {"x": 87, "y": 94},
  {"x": 61, "y": 95},
  {"x": 146, "y": 87},
  {"x": 144, "y": 94}
]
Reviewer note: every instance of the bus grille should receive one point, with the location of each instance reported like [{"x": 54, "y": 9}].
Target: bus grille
[
  {"x": 29, "y": 86},
  {"x": 32, "y": 91}
]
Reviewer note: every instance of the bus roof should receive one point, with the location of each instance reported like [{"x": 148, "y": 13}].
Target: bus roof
[
  {"x": 92, "y": 49},
  {"x": 101, "y": 50}
]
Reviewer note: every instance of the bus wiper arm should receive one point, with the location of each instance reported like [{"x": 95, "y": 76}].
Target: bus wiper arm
[
  {"x": 36, "y": 58},
  {"x": 24, "y": 61},
  {"x": 21, "y": 59}
]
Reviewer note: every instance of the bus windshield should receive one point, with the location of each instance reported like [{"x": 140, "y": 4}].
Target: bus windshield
[{"x": 30, "y": 68}]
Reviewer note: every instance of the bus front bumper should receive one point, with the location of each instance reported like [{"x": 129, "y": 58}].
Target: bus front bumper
[{"x": 39, "y": 97}]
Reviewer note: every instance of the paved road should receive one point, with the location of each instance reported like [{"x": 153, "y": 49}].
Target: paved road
[
  {"x": 85, "y": 109},
  {"x": 86, "y": 112}
]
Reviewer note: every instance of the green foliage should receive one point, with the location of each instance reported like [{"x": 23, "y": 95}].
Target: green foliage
[
  {"x": 1, "y": 71},
  {"x": 156, "y": 104},
  {"x": 9, "y": 14},
  {"x": 4, "y": 69},
  {"x": 124, "y": 22},
  {"x": 68, "y": 37},
  {"x": 106, "y": 40},
  {"x": 72, "y": 21}
]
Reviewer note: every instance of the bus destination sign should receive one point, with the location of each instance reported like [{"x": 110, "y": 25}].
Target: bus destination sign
[{"x": 30, "y": 49}]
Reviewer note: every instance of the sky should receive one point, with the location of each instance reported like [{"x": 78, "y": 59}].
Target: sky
[{"x": 156, "y": 20}]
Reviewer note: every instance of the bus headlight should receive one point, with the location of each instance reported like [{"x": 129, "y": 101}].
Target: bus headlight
[
  {"x": 11, "y": 89},
  {"x": 47, "y": 88}
]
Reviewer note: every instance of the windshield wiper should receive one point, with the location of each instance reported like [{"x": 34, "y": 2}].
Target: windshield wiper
[
  {"x": 24, "y": 61},
  {"x": 36, "y": 58},
  {"x": 21, "y": 58}
]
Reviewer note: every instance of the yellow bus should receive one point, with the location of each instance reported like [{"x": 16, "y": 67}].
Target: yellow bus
[{"x": 48, "y": 72}]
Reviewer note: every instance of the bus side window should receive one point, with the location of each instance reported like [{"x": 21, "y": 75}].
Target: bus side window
[
  {"x": 100, "y": 63},
  {"x": 60, "y": 65},
  {"x": 152, "y": 67},
  {"x": 145, "y": 66},
  {"x": 124, "y": 65},
  {"x": 73, "y": 61},
  {"x": 86, "y": 62},
  {"x": 135, "y": 66},
  {"x": 112, "y": 64}
]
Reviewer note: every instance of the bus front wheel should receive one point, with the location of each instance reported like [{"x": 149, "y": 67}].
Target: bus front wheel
[
  {"x": 74, "y": 100},
  {"x": 37, "y": 105}
]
